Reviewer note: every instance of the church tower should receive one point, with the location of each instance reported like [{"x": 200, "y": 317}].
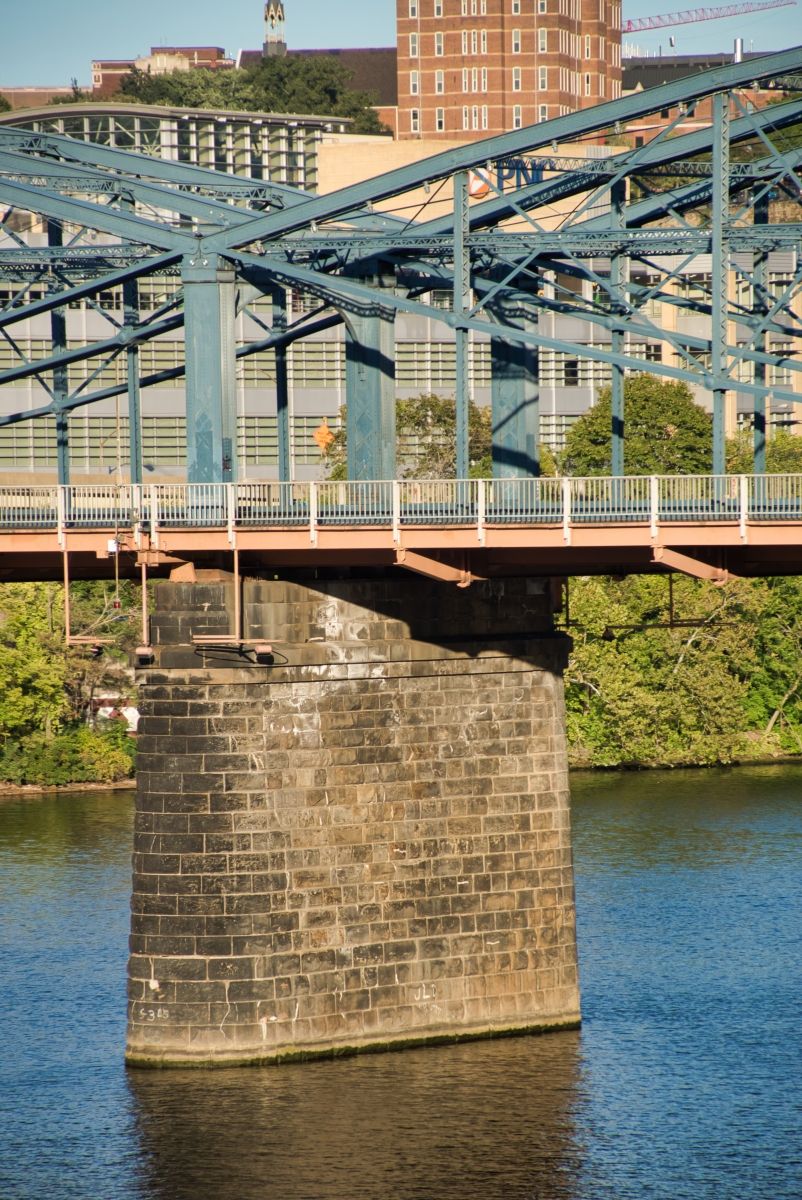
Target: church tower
[{"x": 275, "y": 45}]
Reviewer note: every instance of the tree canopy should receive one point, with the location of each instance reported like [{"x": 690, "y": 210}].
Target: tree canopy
[
  {"x": 426, "y": 428},
  {"x": 667, "y": 433},
  {"x": 316, "y": 84}
]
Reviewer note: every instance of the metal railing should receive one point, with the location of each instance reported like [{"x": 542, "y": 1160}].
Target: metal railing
[{"x": 652, "y": 500}]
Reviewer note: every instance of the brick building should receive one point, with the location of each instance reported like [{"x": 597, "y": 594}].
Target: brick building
[
  {"x": 474, "y": 68},
  {"x": 108, "y": 74}
]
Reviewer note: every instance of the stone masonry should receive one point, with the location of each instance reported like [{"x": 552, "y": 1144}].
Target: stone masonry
[{"x": 362, "y": 843}]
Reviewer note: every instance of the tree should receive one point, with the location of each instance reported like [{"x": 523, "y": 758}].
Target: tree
[
  {"x": 4, "y": 104},
  {"x": 783, "y": 453},
  {"x": 33, "y": 696},
  {"x": 426, "y": 427},
  {"x": 722, "y": 681},
  {"x": 316, "y": 84},
  {"x": 666, "y": 432}
]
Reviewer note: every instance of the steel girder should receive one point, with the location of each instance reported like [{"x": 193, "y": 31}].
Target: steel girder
[{"x": 506, "y": 267}]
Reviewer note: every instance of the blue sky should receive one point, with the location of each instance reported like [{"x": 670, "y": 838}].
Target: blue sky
[{"x": 52, "y": 41}]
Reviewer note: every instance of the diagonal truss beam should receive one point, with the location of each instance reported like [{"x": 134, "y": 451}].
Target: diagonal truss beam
[{"x": 560, "y": 129}]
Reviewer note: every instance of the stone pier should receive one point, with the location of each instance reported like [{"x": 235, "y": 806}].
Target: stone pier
[{"x": 359, "y": 841}]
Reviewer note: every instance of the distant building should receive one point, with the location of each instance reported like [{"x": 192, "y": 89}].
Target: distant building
[
  {"x": 474, "y": 68},
  {"x": 108, "y": 74},
  {"x": 34, "y": 97},
  {"x": 642, "y": 73}
]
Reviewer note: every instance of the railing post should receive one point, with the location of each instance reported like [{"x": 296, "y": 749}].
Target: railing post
[
  {"x": 744, "y": 504},
  {"x": 231, "y": 510},
  {"x": 396, "y": 500},
  {"x": 313, "y": 499},
  {"x": 481, "y": 510},
  {"x": 61, "y": 513},
  {"x": 566, "y": 495},
  {"x": 136, "y": 513},
  {"x": 654, "y": 504},
  {"x": 154, "y": 516}
]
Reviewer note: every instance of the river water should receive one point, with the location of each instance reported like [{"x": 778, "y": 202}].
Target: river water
[{"x": 683, "y": 1082}]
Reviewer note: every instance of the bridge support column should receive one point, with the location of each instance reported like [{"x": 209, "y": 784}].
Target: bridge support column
[
  {"x": 209, "y": 312},
  {"x": 362, "y": 844},
  {"x": 515, "y": 395},
  {"x": 370, "y": 394}
]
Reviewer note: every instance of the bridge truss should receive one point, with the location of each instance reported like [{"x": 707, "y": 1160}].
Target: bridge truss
[{"x": 560, "y": 239}]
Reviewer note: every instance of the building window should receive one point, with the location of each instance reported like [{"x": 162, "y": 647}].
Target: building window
[
  {"x": 413, "y": 8},
  {"x": 484, "y": 41},
  {"x": 414, "y": 120},
  {"x": 587, "y": 83},
  {"x": 543, "y": 113},
  {"x": 473, "y": 8},
  {"x": 542, "y": 6},
  {"x": 438, "y": 45},
  {"x": 587, "y": 45},
  {"x": 474, "y": 43},
  {"x": 439, "y": 82},
  {"x": 484, "y": 79},
  {"x": 542, "y": 40},
  {"x": 516, "y": 41},
  {"x": 475, "y": 116},
  {"x": 516, "y": 8},
  {"x": 542, "y": 79},
  {"x": 439, "y": 119},
  {"x": 413, "y": 45},
  {"x": 465, "y": 115},
  {"x": 464, "y": 42},
  {"x": 475, "y": 79},
  {"x": 484, "y": 116},
  {"x": 483, "y": 8},
  {"x": 438, "y": 8},
  {"x": 464, "y": 79},
  {"x": 414, "y": 87},
  {"x": 516, "y": 79},
  {"x": 464, "y": 8},
  {"x": 517, "y": 119}
]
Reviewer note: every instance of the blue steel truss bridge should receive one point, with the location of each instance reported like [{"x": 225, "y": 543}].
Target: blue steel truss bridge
[{"x": 565, "y": 239}]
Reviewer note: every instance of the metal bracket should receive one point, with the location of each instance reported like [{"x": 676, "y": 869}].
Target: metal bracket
[{"x": 690, "y": 566}]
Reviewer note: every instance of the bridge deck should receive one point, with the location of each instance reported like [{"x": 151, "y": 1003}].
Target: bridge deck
[{"x": 748, "y": 525}]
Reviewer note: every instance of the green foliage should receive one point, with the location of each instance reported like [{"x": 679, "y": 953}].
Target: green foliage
[
  {"x": 32, "y": 664},
  {"x": 48, "y": 691},
  {"x": 76, "y": 755},
  {"x": 75, "y": 96},
  {"x": 667, "y": 433},
  {"x": 317, "y": 84},
  {"x": 426, "y": 429},
  {"x": 724, "y": 686},
  {"x": 783, "y": 453},
  {"x": 4, "y": 104}
]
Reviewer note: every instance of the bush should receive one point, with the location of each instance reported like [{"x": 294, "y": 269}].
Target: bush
[{"x": 75, "y": 755}]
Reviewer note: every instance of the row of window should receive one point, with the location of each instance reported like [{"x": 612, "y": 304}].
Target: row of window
[
  {"x": 255, "y": 147},
  {"x": 427, "y": 365},
  {"x": 473, "y": 8},
  {"x": 478, "y": 8},
  {"x": 475, "y": 80},
  {"x": 101, "y": 443}
]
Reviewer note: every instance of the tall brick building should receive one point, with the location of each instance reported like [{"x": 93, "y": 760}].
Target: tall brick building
[{"x": 473, "y": 68}]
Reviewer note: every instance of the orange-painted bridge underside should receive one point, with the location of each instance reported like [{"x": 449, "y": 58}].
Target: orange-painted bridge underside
[{"x": 710, "y": 550}]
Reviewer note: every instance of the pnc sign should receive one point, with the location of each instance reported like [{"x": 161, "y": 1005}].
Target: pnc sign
[{"x": 518, "y": 172}]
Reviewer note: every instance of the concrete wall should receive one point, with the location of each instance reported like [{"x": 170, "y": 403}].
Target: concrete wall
[{"x": 365, "y": 843}]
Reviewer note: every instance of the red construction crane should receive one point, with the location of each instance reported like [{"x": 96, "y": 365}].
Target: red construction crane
[{"x": 665, "y": 20}]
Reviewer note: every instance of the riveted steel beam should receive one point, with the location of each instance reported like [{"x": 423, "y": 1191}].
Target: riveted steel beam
[{"x": 582, "y": 123}]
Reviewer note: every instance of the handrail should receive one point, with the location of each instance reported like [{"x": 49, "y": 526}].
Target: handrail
[{"x": 564, "y": 503}]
